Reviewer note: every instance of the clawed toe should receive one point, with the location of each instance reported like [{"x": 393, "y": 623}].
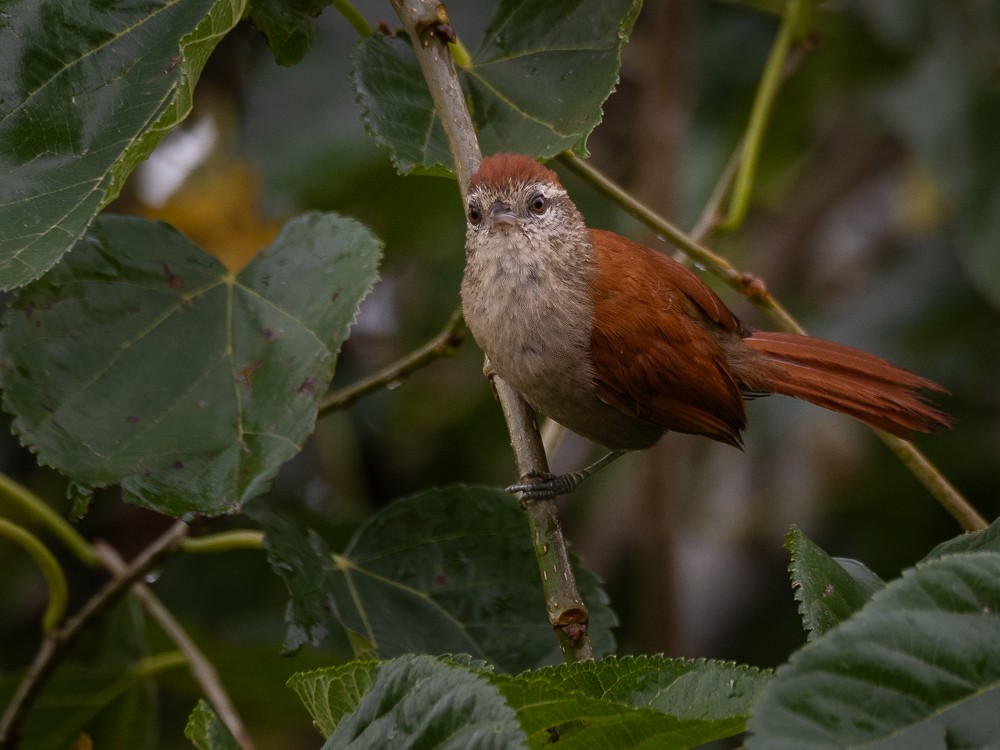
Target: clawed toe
[{"x": 541, "y": 485}]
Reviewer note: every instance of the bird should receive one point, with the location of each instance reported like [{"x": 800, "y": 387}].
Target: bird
[{"x": 621, "y": 344}]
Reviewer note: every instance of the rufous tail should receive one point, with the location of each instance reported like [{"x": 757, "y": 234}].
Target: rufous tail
[{"x": 850, "y": 381}]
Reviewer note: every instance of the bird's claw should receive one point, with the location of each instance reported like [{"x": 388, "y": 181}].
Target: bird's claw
[{"x": 543, "y": 485}]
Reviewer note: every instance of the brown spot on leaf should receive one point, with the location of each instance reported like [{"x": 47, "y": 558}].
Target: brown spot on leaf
[
  {"x": 133, "y": 419},
  {"x": 175, "y": 281},
  {"x": 307, "y": 387},
  {"x": 246, "y": 373}
]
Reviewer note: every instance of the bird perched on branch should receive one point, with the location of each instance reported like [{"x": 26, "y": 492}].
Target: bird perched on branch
[{"x": 620, "y": 343}]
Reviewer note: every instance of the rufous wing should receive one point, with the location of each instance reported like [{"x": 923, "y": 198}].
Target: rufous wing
[{"x": 655, "y": 343}]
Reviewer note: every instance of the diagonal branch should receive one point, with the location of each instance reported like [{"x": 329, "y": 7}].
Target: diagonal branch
[
  {"x": 201, "y": 668},
  {"x": 444, "y": 344},
  {"x": 55, "y": 645}
]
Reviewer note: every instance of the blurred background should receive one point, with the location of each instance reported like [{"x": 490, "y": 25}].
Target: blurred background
[{"x": 876, "y": 221}]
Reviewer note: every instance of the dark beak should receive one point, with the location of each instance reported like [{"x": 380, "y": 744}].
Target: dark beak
[{"x": 501, "y": 215}]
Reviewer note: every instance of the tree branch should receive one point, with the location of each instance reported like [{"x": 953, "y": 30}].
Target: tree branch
[
  {"x": 444, "y": 344},
  {"x": 55, "y": 645},
  {"x": 426, "y": 22},
  {"x": 201, "y": 668}
]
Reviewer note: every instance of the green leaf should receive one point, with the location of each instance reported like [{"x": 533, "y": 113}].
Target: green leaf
[
  {"x": 543, "y": 70},
  {"x": 620, "y": 703},
  {"x": 452, "y": 570},
  {"x": 288, "y": 25},
  {"x": 86, "y": 91},
  {"x": 141, "y": 360},
  {"x": 684, "y": 688},
  {"x": 331, "y": 693},
  {"x": 633, "y": 702},
  {"x": 627, "y": 702},
  {"x": 396, "y": 106},
  {"x": 536, "y": 83},
  {"x": 917, "y": 667},
  {"x": 984, "y": 540},
  {"x": 206, "y": 731},
  {"x": 828, "y": 590},
  {"x": 303, "y": 561},
  {"x": 419, "y": 701}
]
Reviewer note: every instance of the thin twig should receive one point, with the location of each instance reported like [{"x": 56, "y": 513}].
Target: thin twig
[
  {"x": 425, "y": 22},
  {"x": 201, "y": 668},
  {"x": 59, "y": 641},
  {"x": 353, "y": 17},
  {"x": 767, "y": 92},
  {"x": 444, "y": 344},
  {"x": 969, "y": 519}
]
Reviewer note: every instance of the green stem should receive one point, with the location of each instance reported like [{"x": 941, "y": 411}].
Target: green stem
[
  {"x": 46, "y": 561},
  {"x": 39, "y": 510},
  {"x": 969, "y": 519},
  {"x": 156, "y": 663},
  {"x": 353, "y": 17},
  {"x": 224, "y": 541},
  {"x": 460, "y": 54},
  {"x": 763, "y": 103}
]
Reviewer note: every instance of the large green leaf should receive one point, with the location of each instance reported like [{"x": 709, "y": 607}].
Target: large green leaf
[
  {"x": 421, "y": 702},
  {"x": 86, "y": 91},
  {"x": 452, "y": 570},
  {"x": 543, "y": 70},
  {"x": 684, "y": 688},
  {"x": 633, "y": 702},
  {"x": 141, "y": 360},
  {"x": 620, "y": 703},
  {"x": 828, "y": 590},
  {"x": 918, "y": 667},
  {"x": 536, "y": 82}
]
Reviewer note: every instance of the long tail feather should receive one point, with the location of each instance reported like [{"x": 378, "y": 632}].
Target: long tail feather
[{"x": 847, "y": 380}]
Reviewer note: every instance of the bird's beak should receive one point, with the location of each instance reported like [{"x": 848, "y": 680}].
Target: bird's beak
[{"x": 501, "y": 215}]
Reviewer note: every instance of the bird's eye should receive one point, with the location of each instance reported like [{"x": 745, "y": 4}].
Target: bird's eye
[
  {"x": 538, "y": 204},
  {"x": 475, "y": 215}
]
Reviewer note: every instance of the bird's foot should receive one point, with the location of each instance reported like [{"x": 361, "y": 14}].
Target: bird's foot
[{"x": 543, "y": 485}]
